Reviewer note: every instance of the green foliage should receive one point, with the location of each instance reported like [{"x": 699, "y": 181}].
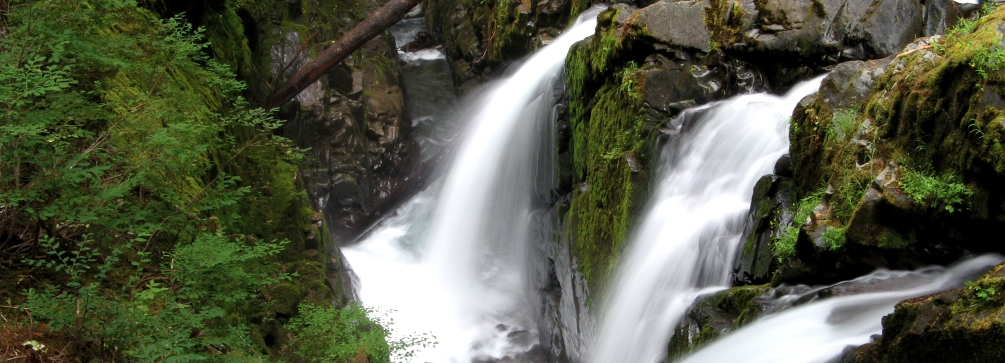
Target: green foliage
[
  {"x": 182, "y": 319},
  {"x": 984, "y": 294},
  {"x": 629, "y": 84},
  {"x": 943, "y": 191},
  {"x": 833, "y": 238},
  {"x": 328, "y": 334},
  {"x": 149, "y": 201},
  {"x": 983, "y": 57},
  {"x": 785, "y": 246},
  {"x": 844, "y": 124}
]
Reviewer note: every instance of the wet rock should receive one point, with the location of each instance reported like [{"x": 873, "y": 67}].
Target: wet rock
[
  {"x": 771, "y": 213},
  {"x": 358, "y": 135},
  {"x": 423, "y": 40},
  {"x": 956, "y": 325},
  {"x": 714, "y": 315}
]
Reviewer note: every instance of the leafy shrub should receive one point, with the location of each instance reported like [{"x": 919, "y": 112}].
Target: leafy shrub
[
  {"x": 328, "y": 334},
  {"x": 833, "y": 238},
  {"x": 133, "y": 179}
]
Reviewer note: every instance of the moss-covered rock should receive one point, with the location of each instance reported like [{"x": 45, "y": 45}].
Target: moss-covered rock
[
  {"x": 623, "y": 87},
  {"x": 714, "y": 315},
  {"x": 772, "y": 210},
  {"x": 481, "y": 37},
  {"x": 960, "y": 325},
  {"x": 905, "y": 154}
]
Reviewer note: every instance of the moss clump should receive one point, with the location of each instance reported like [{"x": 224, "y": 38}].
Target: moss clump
[
  {"x": 610, "y": 144},
  {"x": 724, "y": 20}
]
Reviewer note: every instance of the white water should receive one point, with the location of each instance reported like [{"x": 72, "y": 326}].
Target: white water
[
  {"x": 453, "y": 261},
  {"x": 686, "y": 241},
  {"x": 820, "y": 330}
]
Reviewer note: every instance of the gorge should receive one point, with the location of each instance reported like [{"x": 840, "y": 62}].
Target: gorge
[{"x": 555, "y": 181}]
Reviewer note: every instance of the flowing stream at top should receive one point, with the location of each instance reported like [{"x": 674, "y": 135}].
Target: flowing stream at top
[
  {"x": 453, "y": 261},
  {"x": 685, "y": 243}
]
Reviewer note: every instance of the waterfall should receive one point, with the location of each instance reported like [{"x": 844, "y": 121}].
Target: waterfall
[
  {"x": 454, "y": 259},
  {"x": 820, "y": 330},
  {"x": 687, "y": 237}
]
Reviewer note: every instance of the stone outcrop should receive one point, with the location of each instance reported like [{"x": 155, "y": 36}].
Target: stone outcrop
[
  {"x": 772, "y": 210},
  {"x": 715, "y": 315},
  {"x": 353, "y": 121},
  {"x": 963, "y": 325},
  {"x": 481, "y": 37}
]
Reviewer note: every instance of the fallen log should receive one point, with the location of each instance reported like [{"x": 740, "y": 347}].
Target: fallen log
[{"x": 373, "y": 25}]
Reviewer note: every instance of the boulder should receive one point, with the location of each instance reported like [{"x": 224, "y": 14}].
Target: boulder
[
  {"x": 771, "y": 213},
  {"x": 680, "y": 23},
  {"x": 714, "y": 315},
  {"x": 965, "y": 325}
]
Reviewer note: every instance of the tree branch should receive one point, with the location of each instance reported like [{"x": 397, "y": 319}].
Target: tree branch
[{"x": 373, "y": 25}]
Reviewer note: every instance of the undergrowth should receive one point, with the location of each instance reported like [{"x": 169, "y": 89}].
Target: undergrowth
[{"x": 146, "y": 210}]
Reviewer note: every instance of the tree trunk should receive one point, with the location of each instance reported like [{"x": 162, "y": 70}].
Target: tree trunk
[{"x": 373, "y": 25}]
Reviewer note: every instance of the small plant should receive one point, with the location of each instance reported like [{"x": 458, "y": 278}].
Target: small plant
[
  {"x": 628, "y": 84},
  {"x": 983, "y": 294},
  {"x": 845, "y": 124},
  {"x": 944, "y": 191},
  {"x": 834, "y": 238},
  {"x": 785, "y": 246}
]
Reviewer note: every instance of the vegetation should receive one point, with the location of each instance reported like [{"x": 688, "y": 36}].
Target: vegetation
[
  {"x": 609, "y": 143},
  {"x": 147, "y": 212},
  {"x": 983, "y": 294},
  {"x": 351, "y": 334},
  {"x": 833, "y": 238},
  {"x": 937, "y": 192},
  {"x": 785, "y": 245}
]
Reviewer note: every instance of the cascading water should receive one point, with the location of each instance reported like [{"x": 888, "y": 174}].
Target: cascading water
[
  {"x": 685, "y": 243},
  {"x": 818, "y": 331},
  {"x": 466, "y": 280}
]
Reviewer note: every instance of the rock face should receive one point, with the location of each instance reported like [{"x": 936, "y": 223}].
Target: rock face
[
  {"x": 481, "y": 37},
  {"x": 353, "y": 122},
  {"x": 896, "y": 163},
  {"x": 771, "y": 213},
  {"x": 892, "y": 148}
]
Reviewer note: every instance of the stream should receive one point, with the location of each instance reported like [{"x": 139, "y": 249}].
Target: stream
[{"x": 455, "y": 261}]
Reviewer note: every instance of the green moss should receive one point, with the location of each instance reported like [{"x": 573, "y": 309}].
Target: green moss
[
  {"x": 609, "y": 146},
  {"x": 724, "y": 18},
  {"x": 713, "y": 316},
  {"x": 604, "y": 210}
]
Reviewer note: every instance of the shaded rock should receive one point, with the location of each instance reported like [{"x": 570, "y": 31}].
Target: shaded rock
[
  {"x": 771, "y": 213},
  {"x": 714, "y": 315},
  {"x": 423, "y": 40},
  {"x": 879, "y": 131},
  {"x": 357, "y": 132},
  {"x": 951, "y": 326}
]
